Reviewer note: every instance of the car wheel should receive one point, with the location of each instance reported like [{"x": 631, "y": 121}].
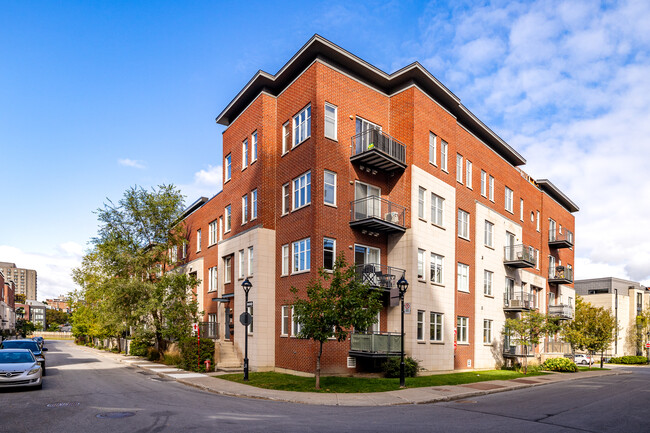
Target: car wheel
[
  {"x": 583, "y": 363},
  {"x": 39, "y": 386}
]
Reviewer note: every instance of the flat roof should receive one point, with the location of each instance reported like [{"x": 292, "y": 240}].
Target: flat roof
[{"x": 553, "y": 191}]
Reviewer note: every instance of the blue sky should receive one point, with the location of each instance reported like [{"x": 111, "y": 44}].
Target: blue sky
[{"x": 96, "y": 97}]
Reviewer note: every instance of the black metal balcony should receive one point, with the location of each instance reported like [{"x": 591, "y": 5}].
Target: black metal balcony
[
  {"x": 560, "y": 275},
  {"x": 209, "y": 330},
  {"x": 516, "y": 350},
  {"x": 376, "y": 150},
  {"x": 562, "y": 311},
  {"x": 376, "y": 214},
  {"x": 560, "y": 240},
  {"x": 518, "y": 301},
  {"x": 379, "y": 276},
  {"x": 519, "y": 256},
  {"x": 557, "y": 347},
  {"x": 375, "y": 345}
]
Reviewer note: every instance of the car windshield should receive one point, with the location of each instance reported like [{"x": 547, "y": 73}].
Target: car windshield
[
  {"x": 31, "y": 345},
  {"x": 15, "y": 357}
]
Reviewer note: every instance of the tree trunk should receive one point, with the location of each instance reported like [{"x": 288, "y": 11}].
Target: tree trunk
[{"x": 320, "y": 352}]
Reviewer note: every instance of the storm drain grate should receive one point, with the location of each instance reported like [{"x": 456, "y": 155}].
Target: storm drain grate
[
  {"x": 64, "y": 404},
  {"x": 114, "y": 415},
  {"x": 465, "y": 401}
]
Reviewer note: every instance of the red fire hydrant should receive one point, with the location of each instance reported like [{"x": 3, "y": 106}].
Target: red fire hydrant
[{"x": 207, "y": 365}]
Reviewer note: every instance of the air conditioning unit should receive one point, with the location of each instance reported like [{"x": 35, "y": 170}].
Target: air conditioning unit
[{"x": 392, "y": 217}]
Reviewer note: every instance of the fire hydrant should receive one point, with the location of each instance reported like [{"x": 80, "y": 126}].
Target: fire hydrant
[{"x": 207, "y": 365}]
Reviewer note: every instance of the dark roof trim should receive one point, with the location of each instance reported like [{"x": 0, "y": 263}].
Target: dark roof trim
[
  {"x": 320, "y": 48},
  {"x": 194, "y": 206},
  {"x": 552, "y": 190}
]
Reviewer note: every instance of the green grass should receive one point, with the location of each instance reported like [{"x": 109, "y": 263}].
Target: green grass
[
  {"x": 581, "y": 368},
  {"x": 287, "y": 382}
]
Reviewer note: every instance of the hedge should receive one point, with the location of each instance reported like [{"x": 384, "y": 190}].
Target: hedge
[
  {"x": 629, "y": 360},
  {"x": 560, "y": 364}
]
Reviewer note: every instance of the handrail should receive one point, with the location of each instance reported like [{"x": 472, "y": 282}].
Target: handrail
[
  {"x": 377, "y": 207},
  {"x": 374, "y": 139}
]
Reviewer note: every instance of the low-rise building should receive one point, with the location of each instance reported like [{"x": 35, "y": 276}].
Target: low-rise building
[{"x": 37, "y": 313}]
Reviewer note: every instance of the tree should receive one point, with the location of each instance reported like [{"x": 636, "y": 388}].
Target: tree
[
  {"x": 336, "y": 302},
  {"x": 24, "y": 327},
  {"x": 592, "y": 329},
  {"x": 19, "y": 298},
  {"x": 526, "y": 331},
  {"x": 637, "y": 334},
  {"x": 56, "y": 317}
]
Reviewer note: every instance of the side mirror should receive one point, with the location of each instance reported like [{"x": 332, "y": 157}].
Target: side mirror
[{"x": 44, "y": 349}]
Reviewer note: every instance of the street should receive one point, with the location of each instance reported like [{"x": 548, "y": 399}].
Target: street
[{"x": 87, "y": 392}]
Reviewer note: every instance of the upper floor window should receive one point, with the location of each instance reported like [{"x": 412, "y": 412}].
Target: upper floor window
[
  {"x": 329, "y": 188},
  {"x": 250, "y": 261},
  {"x": 212, "y": 232},
  {"x": 462, "y": 326},
  {"x": 227, "y": 269},
  {"x": 421, "y": 265},
  {"x": 463, "y": 224},
  {"x": 228, "y": 168},
  {"x": 443, "y": 154},
  {"x": 254, "y": 204},
  {"x": 285, "y": 260},
  {"x": 463, "y": 277},
  {"x": 521, "y": 209},
  {"x": 491, "y": 188},
  {"x": 330, "y": 121},
  {"x": 254, "y": 146},
  {"x": 437, "y": 209},
  {"x": 286, "y": 199},
  {"x": 302, "y": 126},
  {"x": 329, "y": 253},
  {"x": 483, "y": 183},
  {"x": 286, "y": 137},
  {"x": 244, "y": 152},
  {"x": 227, "y": 212},
  {"x": 487, "y": 282},
  {"x": 437, "y": 265},
  {"x": 301, "y": 255},
  {"x": 433, "y": 144},
  {"x": 435, "y": 326},
  {"x": 198, "y": 240},
  {"x": 489, "y": 234},
  {"x": 212, "y": 279},
  {"x": 509, "y": 199},
  {"x": 302, "y": 190},
  {"x": 244, "y": 209},
  {"x": 421, "y": 192},
  {"x": 459, "y": 168},
  {"x": 468, "y": 173}
]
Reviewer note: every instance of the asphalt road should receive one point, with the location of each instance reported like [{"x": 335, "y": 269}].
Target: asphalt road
[{"x": 85, "y": 392}]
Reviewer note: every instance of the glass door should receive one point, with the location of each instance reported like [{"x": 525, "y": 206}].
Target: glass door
[
  {"x": 367, "y": 201},
  {"x": 363, "y": 140}
]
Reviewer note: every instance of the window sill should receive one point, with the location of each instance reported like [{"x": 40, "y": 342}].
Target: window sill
[
  {"x": 437, "y": 284},
  {"x": 331, "y": 205},
  {"x": 438, "y": 225},
  {"x": 296, "y": 145},
  {"x": 445, "y": 170},
  {"x": 253, "y": 162},
  {"x": 227, "y": 180},
  {"x": 284, "y": 335},
  {"x": 421, "y": 342},
  {"x": 463, "y": 291},
  {"x": 433, "y": 163},
  {"x": 509, "y": 211},
  {"x": 306, "y": 271},
  {"x": 488, "y": 296},
  {"x": 244, "y": 168},
  {"x": 422, "y": 219},
  {"x": 301, "y": 207},
  {"x": 462, "y": 344},
  {"x": 334, "y": 139},
  {"x": 437, "y": 342},
  {"x": 489, "y": 247},
  {"x": 464, "y": 238}
]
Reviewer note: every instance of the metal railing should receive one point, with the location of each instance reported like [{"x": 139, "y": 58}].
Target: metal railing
[
  {"x": 560, "y": 273},
  {"x": 376, "y": 207},
  {"x": 381, "y": 276},
  {"x": 565, "y": 236},
  {"x": 376, "y": 343},
  {"x": 557, "y": 347},
  {"x": 209, "y": 330},
  {"x": 562, "y": 310},
  {"x": 519, "y": 252},
  {"x": 373, "y": 139},
  {"x": 523, "y": 300},
  {"x": 519, "y": 350}
]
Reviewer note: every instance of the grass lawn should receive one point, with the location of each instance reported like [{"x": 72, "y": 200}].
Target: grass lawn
[
  {"x": 581, "y": 368},
  {"x": 287, "y": 382}
]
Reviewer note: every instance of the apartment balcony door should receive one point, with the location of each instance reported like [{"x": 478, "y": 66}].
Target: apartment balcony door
[
  {"x": 370, "y": 208},
  {"x": 551, "y": 230},
  {"x": 362, "y": 140},
  {"x": 368, "y": 257},
  {"x": 510, "y": 246}
]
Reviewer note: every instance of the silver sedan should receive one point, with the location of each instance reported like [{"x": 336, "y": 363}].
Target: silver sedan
[{"x": 18, "y": 367}]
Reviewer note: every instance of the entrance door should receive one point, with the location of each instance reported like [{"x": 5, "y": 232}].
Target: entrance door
[
  {"x": 367, "y": 201},
  {"x": 229, "y": 325}
]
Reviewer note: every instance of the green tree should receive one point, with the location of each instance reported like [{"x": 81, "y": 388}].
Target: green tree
[
  {"x": 24, "y": 327},
  {"x": 592, "y": 329},
  {"x": 527, "y": 331},
  {"x": 56, "y": 317},
  {"x": 19, "y": 298},
  {"x": 335, "y": 303}
]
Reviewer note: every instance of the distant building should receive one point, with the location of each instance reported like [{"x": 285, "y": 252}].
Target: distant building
[
  {"x": 7, "y": 304},
  {"x": 25, "y": 279},
  {"x": 37, "y": 313},
  {"x": 626, "y": 300},
  {"x": 60, "y": 304}
]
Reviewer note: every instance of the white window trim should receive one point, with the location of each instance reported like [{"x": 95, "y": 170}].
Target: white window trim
[
  {"x": 286, "y": 137},
  {"x": 251, "y": 259},
  {"x": 284, "y": 326},
  {"x": 198, "y": 241},
  {"x": 433, "y": 148},
  {"x": 422, "y": 203},
  {"x": 285, "y": 260},
  {"x": 442, "y": 327},
  {"x": 489, "y": 238},
  {"x": 333, "y": 252},
  {"x": 459, "y": 168},
  {"x": 491, "y": 187},
  {"x": 241, "y": 265},
  {"x": 228, "y": 216},
  {"x": 227, "y": 175},
  {"x": 307, "y": 256},
  {"x": 464, "y": 323},
  {"x": 489, "y": 329},
  {"x": 486, "y": 280},
  {"x": 254, "y": 204},
  {"x": 324, "y": 183},
  {"x": 420, "y": 323},
  {"x": 465, "y": 224},
  {"x": 254, "y": 148},
  {"x": 286, "y": 197},
  {"x": 444, "y": 150},
  {"x": 227, "y": 269},
  {"x": 462, "y": 278},
  {"x": 244, "y": 154},
  {"x": 434, "y": 261},
  {"x": 295, "y": 144},
  {"x": 484, "y": 182},
  {"x": 509, "y": 198},
  {"x": 422, "y": 265},
  {"x": 212, "y": 233},
  {"x": 307, "y": 189},
  {"x": 434, "y": 216},
  {"x": 244, "y": 209},
  {"x": 336, "y": 123},
  {"x": 468, "y": 174}
]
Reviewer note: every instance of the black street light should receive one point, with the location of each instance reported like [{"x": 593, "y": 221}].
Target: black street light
[
  {"x": 402, "y": 285},
  {"x": 246, "y": 320}
]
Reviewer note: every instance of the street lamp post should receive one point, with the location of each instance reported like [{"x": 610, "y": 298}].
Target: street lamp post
[
  {"x": 402, "y": 285},
  {"x": 246, "y": 285}
]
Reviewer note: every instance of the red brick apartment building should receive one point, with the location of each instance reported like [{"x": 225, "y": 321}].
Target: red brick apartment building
[
  {"x": 7, "y": 304},
  {"x": 333, "y": 155}
]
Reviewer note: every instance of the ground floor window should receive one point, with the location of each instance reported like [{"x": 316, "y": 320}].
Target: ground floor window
[{"x": 462, "y": 325}]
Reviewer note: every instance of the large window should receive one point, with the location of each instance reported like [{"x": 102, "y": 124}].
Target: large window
[
  {"x": 244, "y": 209},
  {"x": 302, "y": 191},
  {"x": 508, "y": 199},
  {"x": 212, "y": 232},
  {"x": 468, "y": 173},
  {"x": 487, "y": 282},
  {"x": 301, "y": 255},
  {"x": 435, "y": 327},
  {"x": 462, "y": 325},
  {"x": 421, "y": 265},
  {"x": 244, "y": 153},
  {"x": 329, "y": 253},
  {"x": 459, "y": 168},
  {"x": 433, "y": 144},
  {"x": 250, "y": 261},
  {"x": 421, "y": 193},
  {"x": 227, "y": 269},
  {"x": 295, "y": 332},
  {"x": 330, "y": 121},
  {"x": 212, "y": 279},
  {"x": 254, "y": 146},
  {"x": 487, "y": 331},
  {"x": 228, "y": 213},
  {"x": 463, "y": 224},
  {"x": 254, "y": 204},
  {"x": 286, "y": 137},
  {"x": 443, "y": 155},
  {"x": 228, "y": 167},
  {"x": 302, "y": 126},
  {"x": 286, "y": 198},
  {"x": 284, "y": 323},
  {"x": 463, "y": 277},
  {"x": 420, "y": 328},
  {"x": 489, "y": 234},
  {"x": 285, "y": 259},
  {"x": 329, "y": 188},
  {"x": 437, "y": 210},
  {"x": 437, "y": 265}
]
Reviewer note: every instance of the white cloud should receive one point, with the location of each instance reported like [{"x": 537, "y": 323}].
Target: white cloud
[
  {"x": 126, "y": 162},
  {"x": 206, "y": 183}
]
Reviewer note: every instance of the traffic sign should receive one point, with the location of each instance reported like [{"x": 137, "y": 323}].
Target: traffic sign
[
  {"x": 249, "y": 303},
  {"x": 407, "y": 308},
  {"x": 195, "y": 327},
  {"x": 647, "y": 345},
  {"x": 245, "y": 318}
]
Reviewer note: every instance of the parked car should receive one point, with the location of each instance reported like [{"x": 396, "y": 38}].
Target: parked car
[
  {"x": 28, "y": 344},
  {"x": 40, "y": 341},
  {"x": 583, "y": 359},
  {"x": 19, "y": 367}
]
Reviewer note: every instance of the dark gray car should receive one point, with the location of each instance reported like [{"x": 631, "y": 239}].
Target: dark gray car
[{"x": 27, "y": 344}]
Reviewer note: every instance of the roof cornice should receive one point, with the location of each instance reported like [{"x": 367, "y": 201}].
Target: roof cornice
[{"x": 553, "y": 191}]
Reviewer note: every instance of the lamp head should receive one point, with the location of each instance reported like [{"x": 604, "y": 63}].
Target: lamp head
[
  {"x": 246, "y": 285},
  {"x": 402, "y": 286}
]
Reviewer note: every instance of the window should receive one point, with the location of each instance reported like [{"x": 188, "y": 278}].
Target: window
[
  {"x": 302, "y": 191},
  {"x": 521, "y": 209},
  {"x": 510, "y": 246},
  {"x": 174, "y": 254},
  {"x": 461, "y": 330},
  {"x": 468, "y": 174},
  {"x": 286, "y": 137},
  {"x": 487, "y": 282},
  {"x": 227, "y": 212},
  {"x": 435, "y": 327},
  {"x": 537, "y": 220},
  {"x": 302, "y": 126},
  {"x": 487, "y": 331},
  {"x": 212, "y": 233},
  {"x": 491, "y": 188},
  {"x": 509, "y": 199},
  {"x": 228, "y": 167},
  {"x": 250, "y": 261},
  {"x": 284, "y": 326},
  {"x": 463, "y": 277},
  {"x": 489, "y": 234},
  {"x": 437, "y": 204},
  {"x": 244, "y": 153},
  {"x": 212, "y": 279},
  {"x": 330, "y": 121},
  {"x": 286, "y": 201},
  {"x": 551, "y": 229},
  {"x": 227, "y": 270},
  {"x": 285, "y": 259},
  {"x": 254, "y": 204},
  {"x": 296, "y": 325},
  {"x": 329, "y": 253},
  {"x": 220, "y": 227},
  {"x": 241, "y": 264},
  {"x": 184, "y": 250},
  {"x": 510, "y": 288},
  {"x": 301, "y": 255},
  {"x": 483, "y": 183},
  {"x": 443, "y": 155},
  {"x": 437, "y": 263},
  {"x": 463, "y": 224},
  {"x": 329, "y": 188},
  {"x": 420, "y": 264},
  {"x": 421, "y": 192},
  {"x": 249, "y": 328},
  {"x": 254, "y": 147},
  {"x": 198, "y": 240},
  {"x": 420, "y": 329},
  {"x": 459, "y": 168},
  {"x": 433, "y": 144},
  {"x": 244, "y": 209}
]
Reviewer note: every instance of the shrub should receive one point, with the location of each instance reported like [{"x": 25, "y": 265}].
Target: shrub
[
  {"x": 153, "y": 354},
  {"x": 629, "y": 360},
  {"x": 560, "y": 364},
  {"x": 139, "y": 347},
  {"x": 391, "y": 367},
  {"x": 190, "y": 355}
]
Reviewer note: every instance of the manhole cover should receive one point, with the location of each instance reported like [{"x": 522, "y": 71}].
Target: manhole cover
[
  {"x": 64, "y": 404},
  {"x": 466, "y": 401},
  {"x": 115, "y": 414}
]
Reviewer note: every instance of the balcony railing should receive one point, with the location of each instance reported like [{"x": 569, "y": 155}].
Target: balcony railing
[
  {"x": 557, "y": 347},
  {"x": 375, "y": 344},
  {"x": 376, "y": 150},
  {"x": 560, "y": 240},
  {"x": 560, "y": 274},
  {"x": 209, "y": 330},
  {"x": 520, "y": 350},
  {"x": 518, "y": 301},
  {"x": 379, "y": 276},
  {"x": 519, "y": 256},
  {"x": 562, "y": 311},
  {"x": 376, "y": 214}
]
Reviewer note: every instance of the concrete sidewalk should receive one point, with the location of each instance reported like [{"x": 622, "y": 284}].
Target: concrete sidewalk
[{"x": 431, "y": 394}]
